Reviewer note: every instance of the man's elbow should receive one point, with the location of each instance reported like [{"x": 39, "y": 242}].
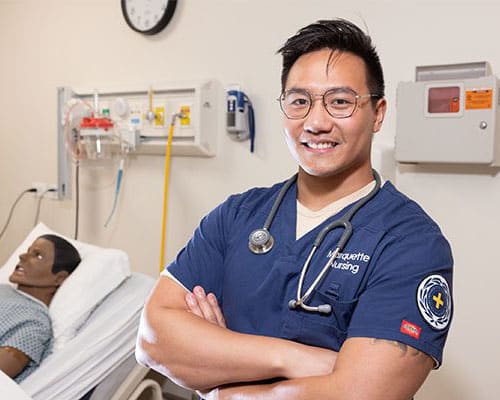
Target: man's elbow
[
  {"x": 148, "y": 349},
  {"x": 151, "y": 356},
  {"x": 143, "y": 355},
  {"x": 152, "y": 353}
]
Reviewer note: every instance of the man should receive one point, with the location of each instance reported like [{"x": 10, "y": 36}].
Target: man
[
  {"x": 387, "y": 294},
  {"x": 25, "y": 328}
]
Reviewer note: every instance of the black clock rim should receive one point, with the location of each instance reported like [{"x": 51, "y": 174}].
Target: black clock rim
[{"x": 162, "y": 23}]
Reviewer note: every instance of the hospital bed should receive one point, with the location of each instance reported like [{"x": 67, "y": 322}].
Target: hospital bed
[{"x": 94, "y": 340}]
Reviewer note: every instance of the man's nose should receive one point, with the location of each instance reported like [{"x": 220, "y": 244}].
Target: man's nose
[
  {"x": 318, "y": 120},
  {"x": 22, "y": 256}
]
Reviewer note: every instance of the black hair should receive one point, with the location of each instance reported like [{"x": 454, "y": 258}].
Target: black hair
[
  {"x": 337, "y": 34},
  {"x": 66, "y": 256}
]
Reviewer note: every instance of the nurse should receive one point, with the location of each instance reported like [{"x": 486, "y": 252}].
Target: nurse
[{"x": 220, "y": 319}]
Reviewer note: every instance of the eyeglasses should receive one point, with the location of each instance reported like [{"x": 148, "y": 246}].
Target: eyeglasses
[{"x": 338, "y": 102}]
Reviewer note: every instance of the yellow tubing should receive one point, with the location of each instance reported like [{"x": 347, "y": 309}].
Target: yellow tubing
[{"x": 165, "y": 193}]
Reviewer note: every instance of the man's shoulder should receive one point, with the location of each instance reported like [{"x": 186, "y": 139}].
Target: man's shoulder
[
  {"x": 254, "y": 198},
  {"x": 399, "y": 215}
]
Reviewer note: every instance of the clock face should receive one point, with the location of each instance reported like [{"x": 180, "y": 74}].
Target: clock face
[{"x": 148, "y": 16}]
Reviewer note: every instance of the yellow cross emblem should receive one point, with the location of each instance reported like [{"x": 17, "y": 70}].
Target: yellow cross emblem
[{"x": 438, "y": 300}]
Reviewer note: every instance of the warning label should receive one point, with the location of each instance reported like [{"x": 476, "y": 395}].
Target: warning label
[{"x": 481, "y": 99}]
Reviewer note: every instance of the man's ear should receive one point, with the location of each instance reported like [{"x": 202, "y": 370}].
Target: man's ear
[
  {"x": 61, "y": 277},
  {"x": 380, "y": 110}
]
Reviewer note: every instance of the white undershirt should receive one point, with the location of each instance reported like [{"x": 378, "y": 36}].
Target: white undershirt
[{"x": 308, "y": 219}]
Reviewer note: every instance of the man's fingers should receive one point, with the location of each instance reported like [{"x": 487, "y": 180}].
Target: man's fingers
[
  {"x": 216, "y": 309},
  {"x": 206, "y": 308},
  {"x": 192, "y": 304}
]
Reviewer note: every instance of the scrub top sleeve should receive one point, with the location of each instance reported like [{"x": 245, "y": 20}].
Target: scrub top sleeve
[
  {"x": 408, "y": 296},
  {"x": 201, "y": 261}
]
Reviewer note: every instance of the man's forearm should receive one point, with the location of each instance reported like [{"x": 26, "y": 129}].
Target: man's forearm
[
  {"x": 366, "y": 369},
  {"x": 292, "y": 389},
  {"x": 200, "y": 355}
]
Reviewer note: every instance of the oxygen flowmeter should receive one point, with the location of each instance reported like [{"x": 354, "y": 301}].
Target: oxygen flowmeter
[
  {"x": 449, "y": 115},
  {"x": 240, "y": 120}
]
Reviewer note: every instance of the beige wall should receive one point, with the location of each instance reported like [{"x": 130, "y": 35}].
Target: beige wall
[{"x": 86, "y": 43}]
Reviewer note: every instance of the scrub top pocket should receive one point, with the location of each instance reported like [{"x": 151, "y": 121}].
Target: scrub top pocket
[{"x": 328, "y": 331}]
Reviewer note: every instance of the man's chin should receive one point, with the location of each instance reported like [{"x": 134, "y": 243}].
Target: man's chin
[{"x": 320, "y": 172}]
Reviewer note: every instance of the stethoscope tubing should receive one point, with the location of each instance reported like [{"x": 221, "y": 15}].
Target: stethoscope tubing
[
  {"x": 345, "y": 222},
  {"x": 258, "y": 247},
  {"x": 278, "y": 201}
]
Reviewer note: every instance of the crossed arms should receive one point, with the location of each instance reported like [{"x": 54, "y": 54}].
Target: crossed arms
[{"x": 183, "y": 336}]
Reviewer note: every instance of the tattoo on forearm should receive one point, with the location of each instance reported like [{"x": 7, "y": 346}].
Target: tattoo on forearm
[{"x": 405, "y": 349}]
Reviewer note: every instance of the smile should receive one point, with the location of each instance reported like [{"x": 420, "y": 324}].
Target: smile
[{"x": 320, "y": 145}]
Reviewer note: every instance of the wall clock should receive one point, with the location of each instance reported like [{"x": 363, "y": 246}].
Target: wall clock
[{"x": 148, "y": 16}]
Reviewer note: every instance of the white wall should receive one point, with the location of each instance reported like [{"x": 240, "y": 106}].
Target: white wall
[{"x": 86, "y": 43}]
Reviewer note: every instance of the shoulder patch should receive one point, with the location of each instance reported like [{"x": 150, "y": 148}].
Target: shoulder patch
[{"x": 434, "y": 301}]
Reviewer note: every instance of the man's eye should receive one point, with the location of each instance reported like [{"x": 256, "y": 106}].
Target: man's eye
[
  {"x": 39, "y": 256},
  {"x": 298, "y": 101},
  {"x": 339, "y": 102}
]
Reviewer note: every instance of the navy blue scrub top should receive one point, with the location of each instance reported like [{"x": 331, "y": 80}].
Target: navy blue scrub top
[{"x": 392, "y": 281}]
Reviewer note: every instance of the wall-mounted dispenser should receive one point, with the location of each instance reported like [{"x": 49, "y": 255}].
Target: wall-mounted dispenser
[{"x": 449, "y": 115}]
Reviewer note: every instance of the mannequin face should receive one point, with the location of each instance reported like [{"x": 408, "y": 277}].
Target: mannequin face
[{"x": 35, "y": 266}]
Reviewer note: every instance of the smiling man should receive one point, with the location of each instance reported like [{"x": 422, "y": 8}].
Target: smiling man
[
  {"x": 309, "y": 315},
  {"x": 25, "y": 327}
]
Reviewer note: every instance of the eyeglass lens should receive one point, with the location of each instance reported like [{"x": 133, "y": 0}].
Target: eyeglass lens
[{"x": 340, "y": 103}]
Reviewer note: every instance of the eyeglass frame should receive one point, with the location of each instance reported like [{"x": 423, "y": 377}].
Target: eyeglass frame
[{"x": 314, "y": 97}]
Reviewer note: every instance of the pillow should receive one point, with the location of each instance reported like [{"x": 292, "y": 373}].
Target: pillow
[{"x": 99, "y": 273}]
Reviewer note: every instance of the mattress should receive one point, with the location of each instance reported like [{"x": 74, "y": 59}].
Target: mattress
[{"x": 102, "y": 344}]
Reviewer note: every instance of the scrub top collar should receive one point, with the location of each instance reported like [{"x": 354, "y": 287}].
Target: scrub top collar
[{"x": 286, "y": 219}]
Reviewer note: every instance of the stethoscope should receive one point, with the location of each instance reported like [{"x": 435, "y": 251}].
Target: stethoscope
[{"x": 261, "y": 241}]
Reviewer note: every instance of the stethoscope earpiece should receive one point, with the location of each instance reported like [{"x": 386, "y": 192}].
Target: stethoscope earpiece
[
  {"x": 325, "y": 309},
  {"x": 322, "y": 309}
]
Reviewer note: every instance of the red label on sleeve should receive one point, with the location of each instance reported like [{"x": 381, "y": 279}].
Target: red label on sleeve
[{"x": 410, "y": 329}]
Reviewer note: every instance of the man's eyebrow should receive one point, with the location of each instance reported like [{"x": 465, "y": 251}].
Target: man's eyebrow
[
  {"x": 337, "y": 88},
  {"x": 342, "y": 88}
]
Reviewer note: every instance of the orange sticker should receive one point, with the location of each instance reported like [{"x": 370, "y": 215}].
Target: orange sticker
[{"x": 478, "y": 99}]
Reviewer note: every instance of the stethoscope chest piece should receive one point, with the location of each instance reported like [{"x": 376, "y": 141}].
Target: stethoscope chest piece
[{"x": 260, "y": 241}]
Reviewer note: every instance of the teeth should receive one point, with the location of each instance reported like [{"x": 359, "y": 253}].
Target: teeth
[{"x": 321, "y": 146}]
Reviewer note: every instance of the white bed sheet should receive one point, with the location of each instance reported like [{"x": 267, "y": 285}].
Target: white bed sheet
[
  {"x": 106, "y": 339},
  {"x": 10, "y": 389}
]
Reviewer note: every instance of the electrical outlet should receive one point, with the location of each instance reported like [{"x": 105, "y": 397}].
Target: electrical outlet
[
  {"x": 47, "y": 190},
  {"x": 40, "y": 188},
  {"x": 52, "y": 191}
]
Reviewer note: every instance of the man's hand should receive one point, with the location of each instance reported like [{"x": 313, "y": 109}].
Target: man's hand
[
  {"x": 193, "y": 325},
  {"x": 205, "y": 306},
  {"x": 320, "y": 362}
]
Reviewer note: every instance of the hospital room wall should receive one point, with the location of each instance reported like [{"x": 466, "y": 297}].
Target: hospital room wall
[{"x": 87, "y": 44}]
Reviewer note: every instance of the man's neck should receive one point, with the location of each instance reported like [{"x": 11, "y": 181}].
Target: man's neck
[
  {"x": 44, "y": 294},
  {"x": 316, "y": 193}
]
